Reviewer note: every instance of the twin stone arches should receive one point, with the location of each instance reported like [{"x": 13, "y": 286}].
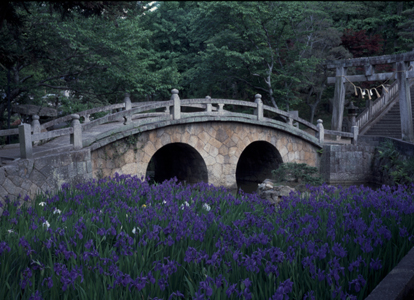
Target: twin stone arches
[{"x": 220, "y": 153}]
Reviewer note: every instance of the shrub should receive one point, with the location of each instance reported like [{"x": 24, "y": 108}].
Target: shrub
[
  {"x": 391, "y": 163},
  {"x": 301, "y": 173}
]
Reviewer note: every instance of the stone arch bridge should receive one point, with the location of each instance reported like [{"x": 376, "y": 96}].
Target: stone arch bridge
[{"x": 192, "y": 139}]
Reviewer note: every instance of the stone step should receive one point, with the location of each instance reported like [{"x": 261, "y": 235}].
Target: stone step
[{"x": 390, "y": 124}]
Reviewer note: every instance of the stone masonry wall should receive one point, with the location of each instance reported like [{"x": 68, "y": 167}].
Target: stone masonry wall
[
  {"x": 220, "y": 144},
  {"x": 358, "y": 164},
  {"x": 347, "y": 164},
  {"x": 48, "y": 173}
]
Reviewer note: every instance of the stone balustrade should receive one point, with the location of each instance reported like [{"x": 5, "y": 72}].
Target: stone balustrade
[{"x": 146, "y": 115}]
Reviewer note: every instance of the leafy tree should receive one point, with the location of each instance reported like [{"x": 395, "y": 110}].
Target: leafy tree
[
  {"x": 96, "y": 57},
  {"x": 261, "y": 45},
  {"x": 406, "y": 27},
  {"x": 361, "y": 45}
]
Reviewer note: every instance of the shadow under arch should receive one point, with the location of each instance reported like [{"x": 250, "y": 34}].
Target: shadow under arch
[
  {"x": 177, "y": 160},
  {"x": 256, "y": 164}
]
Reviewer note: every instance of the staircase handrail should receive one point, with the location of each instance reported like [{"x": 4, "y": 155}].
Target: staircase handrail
[{"x": 377, "y": 106}]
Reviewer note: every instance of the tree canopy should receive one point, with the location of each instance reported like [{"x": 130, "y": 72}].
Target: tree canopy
[{"x": 97, "y": 51}]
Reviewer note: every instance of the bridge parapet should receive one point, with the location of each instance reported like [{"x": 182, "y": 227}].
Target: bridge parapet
[{"x": 145, "y": 114}]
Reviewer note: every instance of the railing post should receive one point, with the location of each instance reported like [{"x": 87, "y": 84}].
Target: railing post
[
  {"x": 76, "y": 136},
  {"x": 86, "y": 118},
  {"x": 35, "y": 126},
  {"x": 221, "y": 110},
  {"x": 176, "y": 104},
  {"x": 320, "y": 134},
  {"x": 209, "y": 107},
  {"x": 25, "y": 140},
  {"x": 290, "y": 120},
  {"x": 293, "y": 113},
  {"x": 259, "y": 110},
  {"x": 128, "y": 106},
  {"x": 355, "y": 132}
]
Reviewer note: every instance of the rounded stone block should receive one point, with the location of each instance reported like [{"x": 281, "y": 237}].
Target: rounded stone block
[
  {"x": 129, "y": 169},
  {"x": 176, "y": 138},
  {"x": 129, "y": 156},
  {"x": 220, "y": 159},
  {"x": 200, "y": 145},
  {"x": 232, "y": 151},
  {"x": 207, "y": 148},
  {"x": 149, "y": 149},
  {"x": 165, "y": 139},
  {"x": 193, "y": 140},
  {"x": 209, "y": 160},
  {"x": 215, "y": 143},
  {"x": 213, "y": 151},
  {"x": 185, "y": 137},
  {"x": 204, "y": 136},
  {"x": 223, "y": 150}
]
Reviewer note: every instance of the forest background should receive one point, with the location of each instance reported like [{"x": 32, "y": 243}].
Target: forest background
[{"x": 94, "y": 52}]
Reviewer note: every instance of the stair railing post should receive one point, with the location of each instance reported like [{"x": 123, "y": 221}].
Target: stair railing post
[
  {"x": 176, "y": 104},
  {"x": 259, "y": 110},
  {"x": 355, "y": 132},
  {"x": 320, "y": 134},
  {"x": 76, "y": 136},
  {"x": 25, "y": 140}
]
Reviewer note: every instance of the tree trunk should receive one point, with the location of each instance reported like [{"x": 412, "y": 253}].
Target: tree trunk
[
  {"x": 272, "y": 98},
  {"x": 314, "y": 105}
]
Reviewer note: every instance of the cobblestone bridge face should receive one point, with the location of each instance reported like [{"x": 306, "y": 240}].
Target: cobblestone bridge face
[{"x": 220, "y": 153}]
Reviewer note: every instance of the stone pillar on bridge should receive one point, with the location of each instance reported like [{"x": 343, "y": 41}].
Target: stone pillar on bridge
[
  {"x": 128, "y": 106},
  {"x": 259, "y": 110},
  {"x": 220, "y": 109},
  {"x": 76, "y": 136},
  {"x": 209, "y": 107},
  {"x": 35, "y": 124},
  {"x": 25, "y": 140},
  {"x": 320, "y": 134},
  {"x": 176, "y": 111}
]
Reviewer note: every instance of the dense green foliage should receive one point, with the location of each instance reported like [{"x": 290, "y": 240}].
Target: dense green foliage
[
  {"x": 391, "y": 163},
  {"x": 297, "y": 172},
  {"x": 97, "y": 51}
]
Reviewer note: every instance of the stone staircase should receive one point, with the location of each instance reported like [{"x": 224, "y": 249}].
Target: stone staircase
[{"x": 389, "y": 124}]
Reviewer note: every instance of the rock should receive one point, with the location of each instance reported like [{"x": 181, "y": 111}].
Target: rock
[{"x": 273, "y": 193}]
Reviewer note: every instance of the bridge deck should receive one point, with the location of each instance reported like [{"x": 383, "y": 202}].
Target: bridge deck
[{"x": 59, "y": 144}]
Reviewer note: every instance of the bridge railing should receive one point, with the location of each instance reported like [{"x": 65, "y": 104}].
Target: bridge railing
[{"x": 146, "y": 113}]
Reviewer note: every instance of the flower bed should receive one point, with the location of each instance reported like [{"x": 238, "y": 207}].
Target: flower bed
[{"x": 121, "y": 238}]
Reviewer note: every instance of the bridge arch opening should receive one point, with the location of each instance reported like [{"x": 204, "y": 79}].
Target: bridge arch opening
[
  {"x": 177, "y": 160},
  {"x": 256, "y": 164}
]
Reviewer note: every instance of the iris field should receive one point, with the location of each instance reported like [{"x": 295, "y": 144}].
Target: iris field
[{"x": 121, "y": 238}]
